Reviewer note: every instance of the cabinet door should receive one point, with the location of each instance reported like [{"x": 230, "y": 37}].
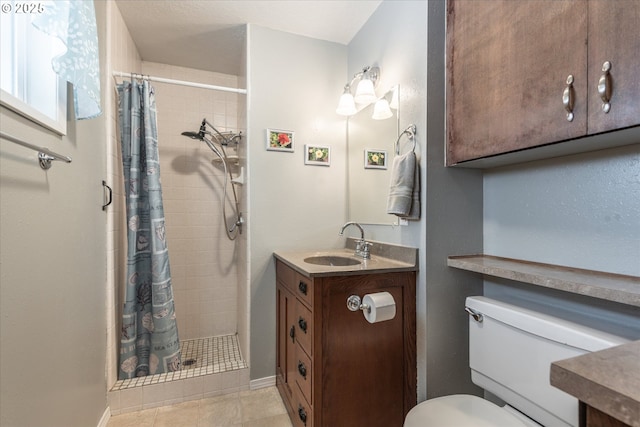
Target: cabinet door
[
  {"x": 507, "y": 66},
  {"x": 363, "y": 364},
  {"x": 614, "y": 36}
]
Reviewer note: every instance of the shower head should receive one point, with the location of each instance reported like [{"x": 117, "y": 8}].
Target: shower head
[{"x": 193, "y": 135}]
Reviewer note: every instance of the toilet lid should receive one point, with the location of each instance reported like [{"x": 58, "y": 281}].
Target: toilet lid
[{"x": 460, "y": 411}]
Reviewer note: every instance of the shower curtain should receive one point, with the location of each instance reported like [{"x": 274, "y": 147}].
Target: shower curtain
[{"x": 149, "y": 336}]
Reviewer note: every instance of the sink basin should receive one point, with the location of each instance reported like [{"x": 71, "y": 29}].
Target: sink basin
[{"x": 332, "y": 260}]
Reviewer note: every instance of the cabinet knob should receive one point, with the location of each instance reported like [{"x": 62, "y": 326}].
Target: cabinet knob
[
  {"x": 292, "y": 333},
  {"x": 302, "y": 414},
  {"x": 303, "y": 324},
  {"x": 302, "y": 369},
  {"x": 568, "y": 97},
  {"x": 604, "y": 87},
  {"x": 302, "y": 286}
]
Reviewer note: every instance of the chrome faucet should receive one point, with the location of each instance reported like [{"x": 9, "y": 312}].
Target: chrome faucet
[{"x": 362, "y": 246}]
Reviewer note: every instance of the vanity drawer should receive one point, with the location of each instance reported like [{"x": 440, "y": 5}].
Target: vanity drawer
[
  {"x": 304, "y": 289},
  {"x": 304, "y": 373},
  {"x": 304, "y": 327},
  {"x": 302, "y": 412},
  {"x": 286, "y": 275}
]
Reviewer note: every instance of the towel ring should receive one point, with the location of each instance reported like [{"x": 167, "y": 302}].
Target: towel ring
[{"x": 411, "y": 132}]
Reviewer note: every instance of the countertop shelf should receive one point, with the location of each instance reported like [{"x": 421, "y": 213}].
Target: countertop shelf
[
  {"x": 608, "y": 380},
  {"x": 596, "y": 284}
]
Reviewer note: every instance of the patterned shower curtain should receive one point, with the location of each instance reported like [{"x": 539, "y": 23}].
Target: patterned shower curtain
[{"x": 149, "y": 338}]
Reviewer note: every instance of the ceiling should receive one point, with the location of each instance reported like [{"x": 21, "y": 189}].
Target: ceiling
[{"x": 210, "y": 34}]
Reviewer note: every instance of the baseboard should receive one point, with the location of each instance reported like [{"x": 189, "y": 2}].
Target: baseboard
[
  {"x": 105, "y": 418},
  {"x": 262, "y": 383}
]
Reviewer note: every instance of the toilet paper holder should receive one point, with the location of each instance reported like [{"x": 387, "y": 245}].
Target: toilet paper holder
[{"x": 354, "y": 303}]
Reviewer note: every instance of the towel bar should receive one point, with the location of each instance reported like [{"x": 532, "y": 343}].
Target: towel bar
[{"x": 45, "y": 156}]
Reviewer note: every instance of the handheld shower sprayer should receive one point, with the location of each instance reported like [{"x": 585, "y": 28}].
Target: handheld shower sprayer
[{"x": 217, "y": 144}]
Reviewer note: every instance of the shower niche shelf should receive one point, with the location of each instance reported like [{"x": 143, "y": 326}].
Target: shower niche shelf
[
  {"x": 232, "y": 160},
  {"x": 595, "y": 284}
]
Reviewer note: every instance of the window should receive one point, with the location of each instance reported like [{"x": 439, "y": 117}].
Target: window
[{"x": 29, "y": 86}]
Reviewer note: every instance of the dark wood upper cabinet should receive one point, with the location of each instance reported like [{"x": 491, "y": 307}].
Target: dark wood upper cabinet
[
  {"x": 614, "y": 36},
  {"x": 511, "y": 65}
]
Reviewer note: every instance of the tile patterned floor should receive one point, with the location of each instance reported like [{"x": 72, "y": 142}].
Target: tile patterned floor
[
  {"x": 202, "y": 356},
  {"x": 255, "y": 408}
]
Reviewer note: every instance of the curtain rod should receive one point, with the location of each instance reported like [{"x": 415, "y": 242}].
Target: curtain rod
[{"x": 180, "y": 82}]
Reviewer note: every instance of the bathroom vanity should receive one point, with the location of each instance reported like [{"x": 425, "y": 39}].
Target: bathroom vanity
[{"x": 334, "y": 368}]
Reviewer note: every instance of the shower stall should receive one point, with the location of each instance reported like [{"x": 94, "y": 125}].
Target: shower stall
[{"x": 204, "y": 197}]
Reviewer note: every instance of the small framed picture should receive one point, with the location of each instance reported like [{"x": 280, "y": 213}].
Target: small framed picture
[
  {"x": 280, "y": 140},
  {"x": 375, "y": 159},
  {"x": 319, "y": 155}
]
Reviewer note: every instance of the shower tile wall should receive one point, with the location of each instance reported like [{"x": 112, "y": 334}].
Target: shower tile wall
[
  {"x": 122, "y": 55},
  {"x": 203, "y": 260}
]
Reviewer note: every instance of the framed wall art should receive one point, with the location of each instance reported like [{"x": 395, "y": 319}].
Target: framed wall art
[
  {"x": 280, "y": 140},
  {"x": 375, "y": 159},
  {"x": 319, "y": 155}
]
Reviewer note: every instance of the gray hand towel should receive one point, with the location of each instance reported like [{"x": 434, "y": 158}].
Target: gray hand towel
[
  {"x": 401, "y": 188},
  {"x": 414, "y": 213}
]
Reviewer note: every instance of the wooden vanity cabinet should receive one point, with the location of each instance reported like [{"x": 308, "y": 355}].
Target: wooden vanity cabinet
[
  {"x": 508, "y": 63},
  {"x": 592, "y": 417},
  {"x": 333, "y": 367}
]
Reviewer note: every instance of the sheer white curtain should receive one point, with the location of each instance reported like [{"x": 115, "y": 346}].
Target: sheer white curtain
[{"x": 74, "y": 23}]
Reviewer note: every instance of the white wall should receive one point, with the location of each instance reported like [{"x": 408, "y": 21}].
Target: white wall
[
  {"x": 52, "y": 273},
  {"x": 294, "y": 84},
  {"x": 406, "y": 40},
  {"x": 395, "y": 39}
]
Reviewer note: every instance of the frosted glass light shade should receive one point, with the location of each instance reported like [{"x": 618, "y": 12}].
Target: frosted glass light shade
[
  {"x": 346, "y": 105},
  {"x": 381, "y": 110},
  {"x": 365, "y": 93}
]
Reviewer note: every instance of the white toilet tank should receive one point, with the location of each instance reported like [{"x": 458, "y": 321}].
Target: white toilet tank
[{"x": 511, "y": 350}]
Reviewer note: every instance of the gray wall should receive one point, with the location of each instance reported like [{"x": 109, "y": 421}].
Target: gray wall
[
  {"x": 580, "y": 211},
  {"x": 454, "y": 227},
  {"x": 52, "y": 275},
  {"x": 294, "y": 83}
]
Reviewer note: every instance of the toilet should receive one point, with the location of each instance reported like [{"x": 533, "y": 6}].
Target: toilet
[{"x": 510, "y": 353}]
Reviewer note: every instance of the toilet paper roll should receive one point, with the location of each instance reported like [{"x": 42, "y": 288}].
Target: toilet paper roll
[{"x": 380, "y": 307}]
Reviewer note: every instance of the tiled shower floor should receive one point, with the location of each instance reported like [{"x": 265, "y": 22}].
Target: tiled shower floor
[{"x": 201, "y": 356}]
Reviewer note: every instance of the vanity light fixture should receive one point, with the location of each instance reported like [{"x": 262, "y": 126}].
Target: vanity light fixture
[
  {"x": 346, "y": 106},
  {"x": 381, "y": 110},
  {"x": 365, "y": 91}
]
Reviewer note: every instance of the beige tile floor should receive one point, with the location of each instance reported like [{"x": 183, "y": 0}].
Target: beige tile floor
[{"x": 255, "y": 408}]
